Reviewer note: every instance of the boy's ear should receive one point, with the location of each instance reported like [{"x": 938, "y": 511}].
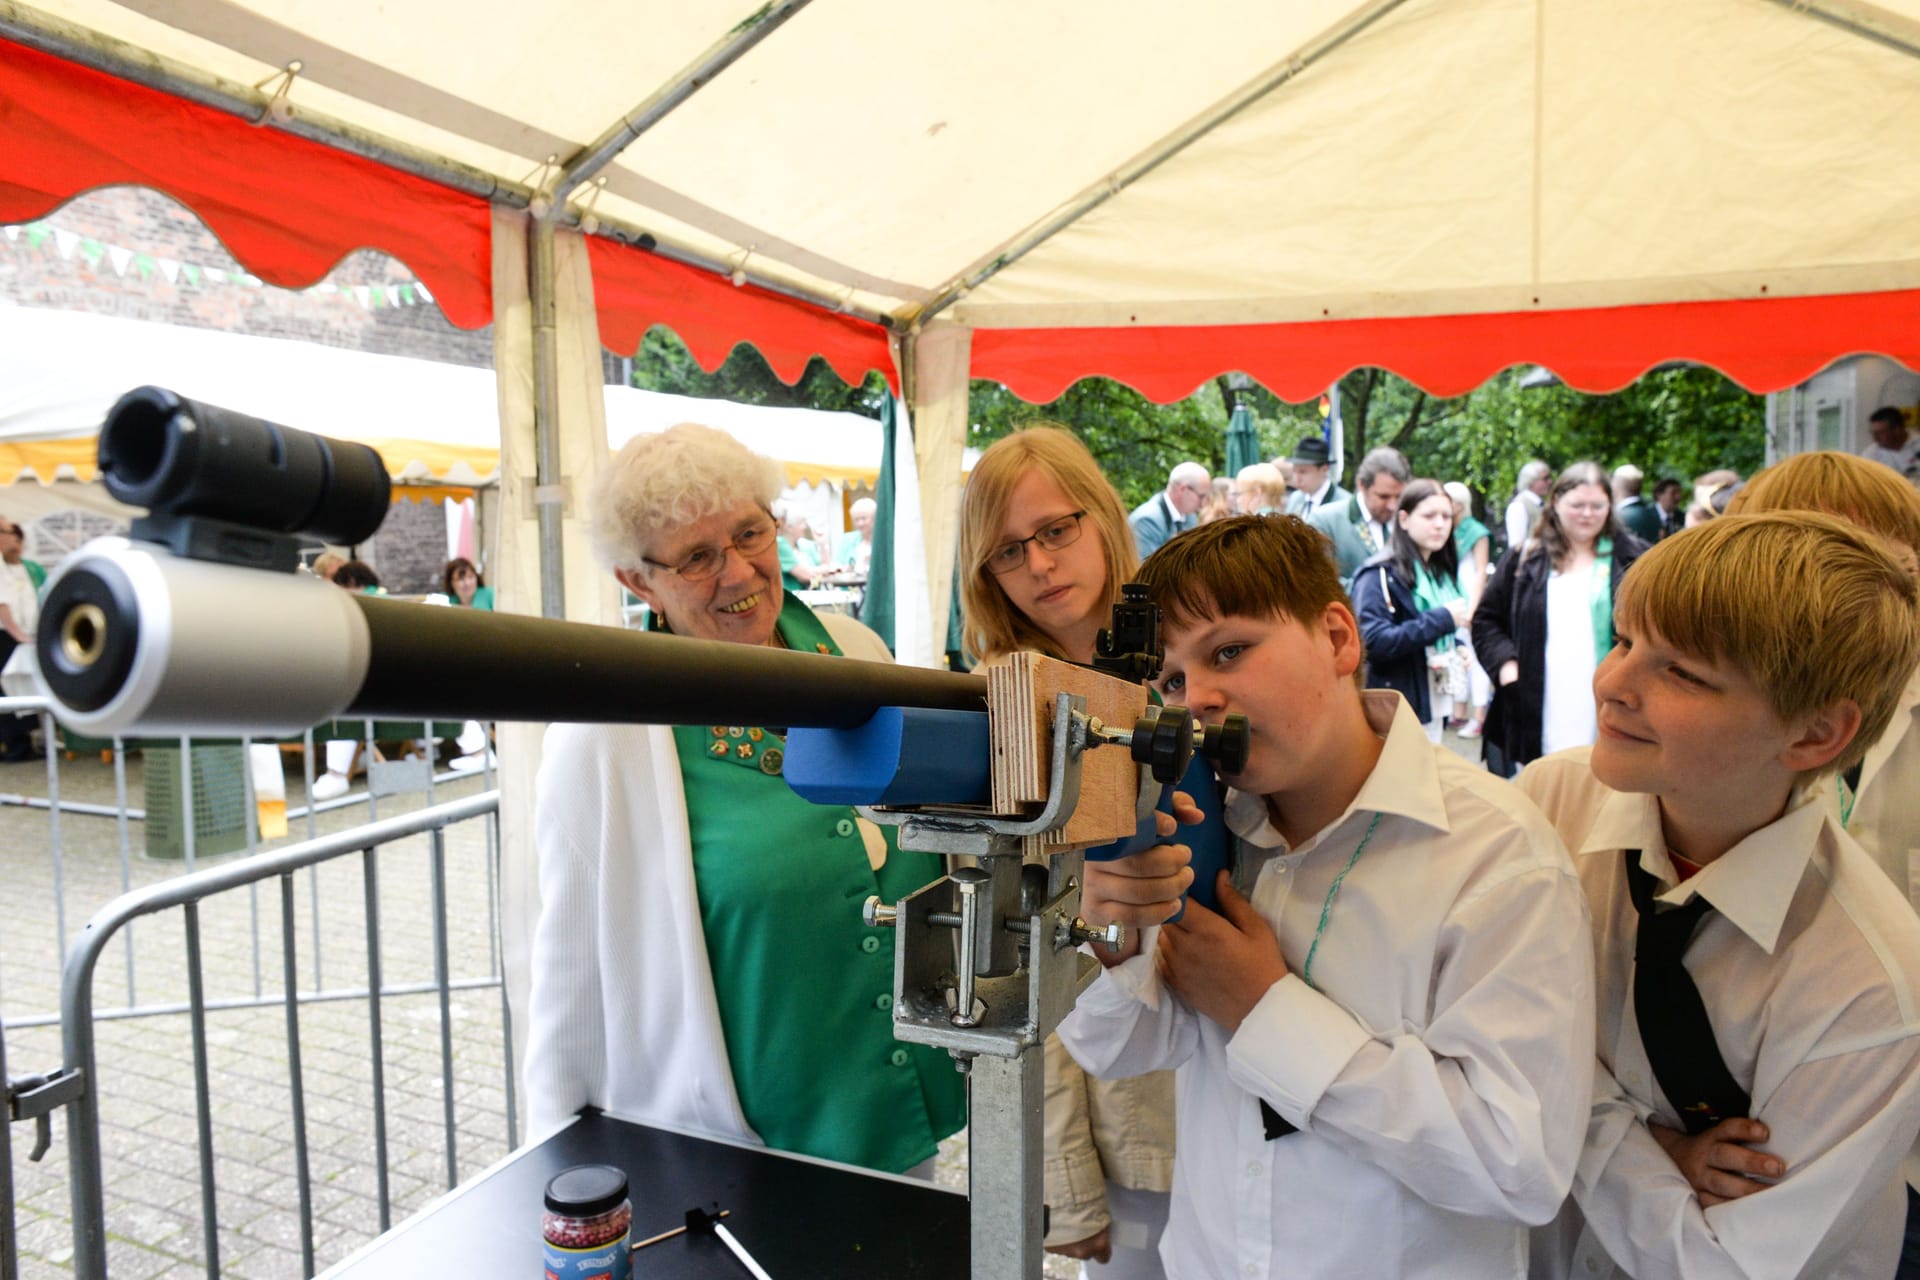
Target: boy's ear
[
  {"x": 1822, "y": 735},
  {"x": 1344, "y": 634}
]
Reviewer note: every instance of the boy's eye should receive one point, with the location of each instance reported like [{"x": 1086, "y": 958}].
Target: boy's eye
[
  {"x": 1688, "y": 676},
  {"x": 1228, "y": 652},
  {"x": 1173, "y": 684}
]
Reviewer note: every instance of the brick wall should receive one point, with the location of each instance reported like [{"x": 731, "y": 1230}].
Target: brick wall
[
  {"x": 151, "y": 224},
  {"x": 410, "y": 547}
]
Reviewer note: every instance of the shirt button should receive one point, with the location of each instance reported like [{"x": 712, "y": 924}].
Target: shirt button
[
  {"x": 899, "y": 1057},
  {"x": 1593, "y": 1263},
  {"x": 1253, "y": 1168},
  {"x": 844, "y": 827},
  {"x": 883, "y": 1002},
  {"x": 869, "y": 944},
  {"x": 1252, "y": 1268}
]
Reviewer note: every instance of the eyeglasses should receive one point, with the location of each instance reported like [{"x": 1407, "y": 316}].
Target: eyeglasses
[
  {"x": 1053, "y": 536},
  {"x": 702, "y": 563}
]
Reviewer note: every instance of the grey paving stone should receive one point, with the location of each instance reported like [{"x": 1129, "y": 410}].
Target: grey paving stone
[{"x": 149, "y": 1141}]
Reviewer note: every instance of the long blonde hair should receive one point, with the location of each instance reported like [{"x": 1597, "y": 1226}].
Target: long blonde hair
[{"x": 992, "y": 627}]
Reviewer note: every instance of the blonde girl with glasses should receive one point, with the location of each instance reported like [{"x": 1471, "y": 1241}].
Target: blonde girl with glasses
[
  {"x": 1546, "y": 619},
  {"x": 1044, "y": 547}
]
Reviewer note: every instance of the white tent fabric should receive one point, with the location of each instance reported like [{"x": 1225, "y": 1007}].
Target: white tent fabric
[
  {"x": 61, "y": 370},
  {"x": 64, "y": 369},
  {"x": 1378, "y": 157}
]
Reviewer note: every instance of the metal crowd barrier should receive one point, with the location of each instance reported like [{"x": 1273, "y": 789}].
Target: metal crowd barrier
[
  {"x": 74, "y": 1088},
  {"x": 123, "y": 814}
]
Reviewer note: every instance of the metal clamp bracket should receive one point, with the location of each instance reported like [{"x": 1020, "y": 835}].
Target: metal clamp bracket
[{"x": 36, "y": 1098}]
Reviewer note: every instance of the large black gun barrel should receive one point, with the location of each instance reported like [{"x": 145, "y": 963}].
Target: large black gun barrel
[
  {"x": 501, "y": 666},
  {"x": 133, "y": 640}
]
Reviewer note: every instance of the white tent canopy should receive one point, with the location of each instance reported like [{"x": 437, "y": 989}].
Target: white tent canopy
[
  {"x": 433, "y": 422},
  {"x": 1324, "y": 157}
]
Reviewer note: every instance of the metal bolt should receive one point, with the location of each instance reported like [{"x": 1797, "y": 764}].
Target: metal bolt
[
  {"x": 877, "y": 915},
  {"x": 970, "y": 881}
]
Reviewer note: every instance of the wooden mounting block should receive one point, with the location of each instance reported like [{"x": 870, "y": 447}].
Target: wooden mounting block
[{"x": 1020, "y": 698}]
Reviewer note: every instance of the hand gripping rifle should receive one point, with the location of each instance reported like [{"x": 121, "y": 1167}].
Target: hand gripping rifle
[{"x": 195, "y": 623}]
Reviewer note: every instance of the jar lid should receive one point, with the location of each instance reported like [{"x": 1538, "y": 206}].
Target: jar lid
[{"x": 587, "y": 1190}]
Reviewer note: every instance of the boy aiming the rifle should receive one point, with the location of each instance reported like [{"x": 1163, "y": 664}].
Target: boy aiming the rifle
[
  {"x": 1384, "y": 1037},
  {"x": 1757, "y": 972}
]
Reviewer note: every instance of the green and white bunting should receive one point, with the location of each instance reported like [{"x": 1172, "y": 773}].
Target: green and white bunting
[{"x": 68, "y": 244}]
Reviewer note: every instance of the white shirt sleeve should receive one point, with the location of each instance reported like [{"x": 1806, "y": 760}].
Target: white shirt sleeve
[
  {"x": 1485, "y": 1113},
  {"x": 1842, "y": 1124},
  {"x": 1127, "y": 1023}
]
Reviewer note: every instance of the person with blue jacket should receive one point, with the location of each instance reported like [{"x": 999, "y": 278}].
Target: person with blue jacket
[{"x": 1409, "y": 603}]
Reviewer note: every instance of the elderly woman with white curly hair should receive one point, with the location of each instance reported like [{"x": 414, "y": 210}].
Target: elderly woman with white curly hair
[{"x": 700, "y": 959}]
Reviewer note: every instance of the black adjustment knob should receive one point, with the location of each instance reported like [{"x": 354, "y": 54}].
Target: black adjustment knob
[
  {"x": 1163, "y": 741},
  {"x": 1228, "y": 744}
]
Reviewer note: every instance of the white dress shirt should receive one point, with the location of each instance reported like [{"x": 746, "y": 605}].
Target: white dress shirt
[
  {"x": 1439, "y": 1077},
  {"x": 17, "y": 593},
  {"x": 1885, "y": 816},
  {"x": 1521, "y": 513},
  {"x": 1567, "y": 715},
  {"x": 1905, "y": 459},
  {"x": 1808, "y": 966}
]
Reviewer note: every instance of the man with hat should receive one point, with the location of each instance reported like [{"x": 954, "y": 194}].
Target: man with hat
[{"x": 1313, "y": 481}]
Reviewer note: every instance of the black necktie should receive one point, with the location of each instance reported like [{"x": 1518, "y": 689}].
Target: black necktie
[{"x": 1674, "y": 1026}]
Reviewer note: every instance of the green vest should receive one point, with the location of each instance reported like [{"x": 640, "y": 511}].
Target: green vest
[{"x": 805, "y": 989}]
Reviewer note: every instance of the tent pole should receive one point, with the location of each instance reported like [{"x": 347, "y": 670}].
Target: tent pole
[
  {"x": 139, "y": 66},
  {"x": 722, "y": 54},
  {"x": 1900, "y": 40},
  {"x": 549, "y": 490},
  {"x": 1154, "y": 156}
]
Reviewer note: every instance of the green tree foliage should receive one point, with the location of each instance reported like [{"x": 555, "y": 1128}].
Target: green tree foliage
[
  {"x": 1678, "y": 421},
  {"x": 1136, "y": 440}
]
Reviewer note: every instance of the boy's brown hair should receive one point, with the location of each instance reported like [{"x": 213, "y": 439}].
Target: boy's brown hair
[
  {"x": 1810, "y": 608},
  {"x": 1245, "y": 567},
  {"x": 1871, "y": 494}
]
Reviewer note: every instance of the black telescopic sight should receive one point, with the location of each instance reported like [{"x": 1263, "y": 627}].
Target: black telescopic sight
[{"x": 179, "y": 457}]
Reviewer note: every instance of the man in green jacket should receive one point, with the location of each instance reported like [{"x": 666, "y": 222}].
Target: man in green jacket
[{"x": 1362, "y": 526}]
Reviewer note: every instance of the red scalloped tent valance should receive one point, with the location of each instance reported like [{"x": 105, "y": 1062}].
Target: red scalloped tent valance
[
  {"x": 633, "y": 290},
  {"x": 1763, "y": 344},
  {"x": 287, "y": 209}
]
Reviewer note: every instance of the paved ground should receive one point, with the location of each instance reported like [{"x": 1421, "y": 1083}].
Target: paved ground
[
  {"x": 153, "y": 1205},
  {"x": 146, "y": 1072}
]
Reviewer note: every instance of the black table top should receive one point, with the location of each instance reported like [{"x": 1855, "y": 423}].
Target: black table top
[{"x": 800, "y": 1219}]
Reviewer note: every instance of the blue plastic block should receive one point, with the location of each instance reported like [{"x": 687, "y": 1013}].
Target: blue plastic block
[{"x": 902, "y": 755}]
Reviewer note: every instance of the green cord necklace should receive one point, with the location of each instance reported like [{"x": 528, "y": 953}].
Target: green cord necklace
[{"x": 1333, "y": 891}]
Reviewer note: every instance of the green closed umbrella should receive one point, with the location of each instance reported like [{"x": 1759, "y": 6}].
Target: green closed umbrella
[{"x": 1243, "y": 440}]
